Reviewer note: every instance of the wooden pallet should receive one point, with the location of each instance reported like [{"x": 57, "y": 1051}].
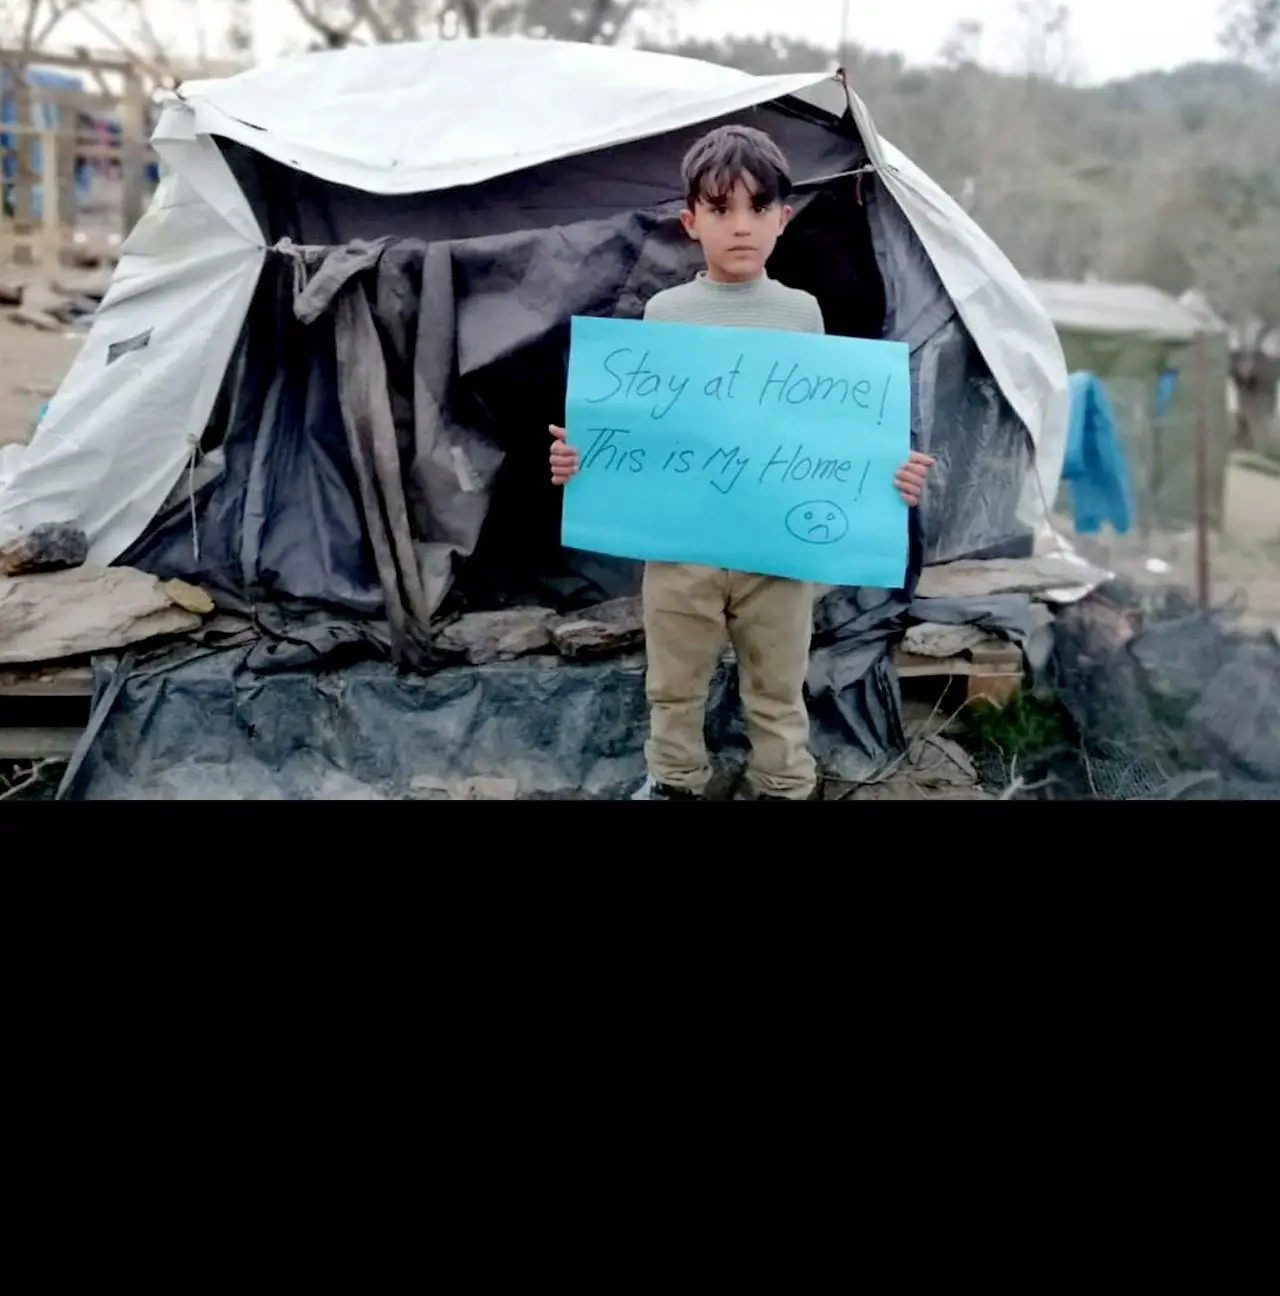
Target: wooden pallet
[
  {"x": 22, "y": 735},
  {"x": 992, "y": 672},
  {"x": 38, "y": 742},
  {"x": 46, "y": 682}
]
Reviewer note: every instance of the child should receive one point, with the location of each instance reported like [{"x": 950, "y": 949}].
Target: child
[{"x": 736, "y": 184}]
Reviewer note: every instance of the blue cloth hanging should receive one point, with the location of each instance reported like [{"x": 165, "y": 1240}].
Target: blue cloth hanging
[
  {"x": 1165, "y": 385},
  {"x": 1095, "y": 464}
]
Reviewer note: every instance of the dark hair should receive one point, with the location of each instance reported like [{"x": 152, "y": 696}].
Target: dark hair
[{"x": 728, "y": 154}]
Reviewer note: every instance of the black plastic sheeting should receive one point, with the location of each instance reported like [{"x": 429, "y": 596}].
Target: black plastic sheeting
[{"x": 257, "y": 717}]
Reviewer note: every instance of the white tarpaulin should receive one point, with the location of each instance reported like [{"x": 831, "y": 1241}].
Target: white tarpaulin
[
  {"x": 402, "y": 119},
  {"x": 397, "y": 119},
  {"x": 121, "y": 427}
]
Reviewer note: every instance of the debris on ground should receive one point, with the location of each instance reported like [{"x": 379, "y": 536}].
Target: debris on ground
[
  {"x": 30, "y": 780},
  {"x": 69, "y": 300}
]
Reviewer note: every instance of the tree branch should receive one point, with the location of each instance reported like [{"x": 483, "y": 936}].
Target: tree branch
[
  {"x": 334, "y": 37},
  {"x": 378, "y": 29},
  {"x": 58, "y": 10},
  {"x": 34, "y": 775},
  {"x": 602, "y": 13},
  {"x": 468, "y": 12}
]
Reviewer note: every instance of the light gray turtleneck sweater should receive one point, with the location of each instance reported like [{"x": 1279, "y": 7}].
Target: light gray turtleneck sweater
[{"x": 757, "y": 303}]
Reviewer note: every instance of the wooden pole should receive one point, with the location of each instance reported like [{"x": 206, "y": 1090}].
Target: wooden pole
[
  {"x": 51, "y": 198},
  {"x": 133, "y": 132},
  {"x": 1203, "y": 590}
]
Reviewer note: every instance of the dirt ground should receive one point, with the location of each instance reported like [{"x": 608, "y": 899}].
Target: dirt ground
[
  {"x": 32, "y": 364},
  {"x": 1244, "y": 560}
]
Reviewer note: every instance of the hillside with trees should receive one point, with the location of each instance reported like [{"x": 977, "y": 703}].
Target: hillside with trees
[{"x": 1170, "y": 178}]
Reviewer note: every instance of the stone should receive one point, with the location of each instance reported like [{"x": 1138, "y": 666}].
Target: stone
[
  {"x": 1043, "y": 574},
  {"x": 480, "y": 638},
  {"x": 603, "y": 631},
  {"x": 50, "y": 546},
  {"x": 84, "y": 610},
  {"x": 931, "y": 639},
  {"x": 190, "y": 597}
]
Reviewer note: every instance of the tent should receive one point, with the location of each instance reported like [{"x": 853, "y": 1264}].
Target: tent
[
  {"x": 1142, "y": 345},
  {"x": 438, "y": 211}
]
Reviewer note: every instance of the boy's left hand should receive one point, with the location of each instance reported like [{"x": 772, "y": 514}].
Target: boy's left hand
[{"x": 909, "y": 479}]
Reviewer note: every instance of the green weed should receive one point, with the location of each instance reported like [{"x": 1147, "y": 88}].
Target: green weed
[{"x": 1022, "y": 727}]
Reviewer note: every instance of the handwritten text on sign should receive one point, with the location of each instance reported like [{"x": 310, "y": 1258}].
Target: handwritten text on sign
[{"x": 750, "y": 449}]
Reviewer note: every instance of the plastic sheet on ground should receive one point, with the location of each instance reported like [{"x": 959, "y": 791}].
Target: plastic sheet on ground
[{"x": 291, "y": 716}]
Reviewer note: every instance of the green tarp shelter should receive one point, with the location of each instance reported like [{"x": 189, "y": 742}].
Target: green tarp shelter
[{"x": 1141, "y": 344}]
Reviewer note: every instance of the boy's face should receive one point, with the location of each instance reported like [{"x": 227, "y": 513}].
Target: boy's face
[{"x": 737, "y": 231}]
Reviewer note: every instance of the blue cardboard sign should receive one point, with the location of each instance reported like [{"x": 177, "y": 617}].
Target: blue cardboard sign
[{"x": 751, "y": 449}]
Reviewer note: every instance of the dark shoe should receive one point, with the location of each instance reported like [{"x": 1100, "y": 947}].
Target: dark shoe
[{"x": 651, "y": 791}]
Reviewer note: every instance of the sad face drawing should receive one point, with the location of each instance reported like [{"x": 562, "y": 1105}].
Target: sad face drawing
[{"x": 819, "y": 522}]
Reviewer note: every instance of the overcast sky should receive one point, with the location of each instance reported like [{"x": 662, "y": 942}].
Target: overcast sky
[{"x": 1112, "y": 37}]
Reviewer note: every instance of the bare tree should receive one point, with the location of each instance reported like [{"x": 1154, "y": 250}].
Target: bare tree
[
  {"x": 239, "y": 33},
  {"x": 1252, "y": 32},
  {"x": 30, "y": 23},
  {"x": 1248, "y": 261},
  {"x": 962, "y": 46},
  {"x": 1048, "y": 44}
]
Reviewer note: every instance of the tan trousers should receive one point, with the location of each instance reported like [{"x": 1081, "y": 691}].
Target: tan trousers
[{"x": 688, "y": 611}]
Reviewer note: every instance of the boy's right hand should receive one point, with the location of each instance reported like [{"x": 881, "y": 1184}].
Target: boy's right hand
[{"x": 564, "y": 458}]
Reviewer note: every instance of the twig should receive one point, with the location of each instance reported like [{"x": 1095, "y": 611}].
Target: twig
[
  {"x": 1019, "y": 786},
  {"x": 912, "y": 749},
  {"x": 32, "y": 778}
]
